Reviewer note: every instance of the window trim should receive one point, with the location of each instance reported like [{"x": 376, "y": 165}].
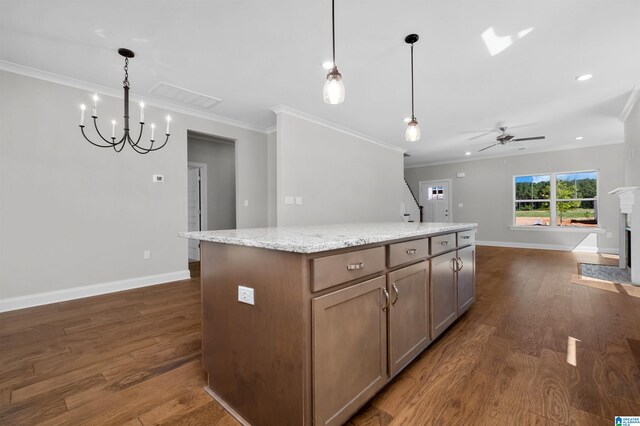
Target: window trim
[{"x": 553, "y": 217}]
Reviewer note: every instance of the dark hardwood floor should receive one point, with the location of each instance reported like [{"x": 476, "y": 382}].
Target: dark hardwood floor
[{"x": 540, "y": 346}]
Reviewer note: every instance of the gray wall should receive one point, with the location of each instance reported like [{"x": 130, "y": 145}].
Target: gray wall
[
  {"x": 487, "y": 193},
  {"x": 73, "y": 215},
  {"x": 272, "y": 216},
  {"x": 632, "y": 146},
  {"x": 340, "y": 177},
  {"x": 220, "y": 158}
]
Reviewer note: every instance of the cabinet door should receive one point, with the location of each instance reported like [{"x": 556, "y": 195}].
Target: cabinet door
[
  {"x": 466, "y": 278},
  {"x": 444, "y": 305},
  {"x": 349, "y": 349},
  {"x": 408, "y": 314}
]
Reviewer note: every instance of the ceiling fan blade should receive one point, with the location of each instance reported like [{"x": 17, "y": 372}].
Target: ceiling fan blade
[
  {"x": 490, "y": 146},
  {"x": 481, "y": 135},
  {"x": 528, "y": 139}
]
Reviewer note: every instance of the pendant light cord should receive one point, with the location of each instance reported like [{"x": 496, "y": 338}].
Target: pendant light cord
[
  {"x": 333, "y": 30},
  {"x": 413, "y": 117}
]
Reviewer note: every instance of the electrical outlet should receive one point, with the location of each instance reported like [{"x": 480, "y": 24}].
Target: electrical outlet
[
  {"x": 298, "y": 201},
  {"x": 147, "y": 254},
  {"x": 609, "y": 235},
  {"x": 245, "y": 295},
  {"x": 289, "y": 199}
]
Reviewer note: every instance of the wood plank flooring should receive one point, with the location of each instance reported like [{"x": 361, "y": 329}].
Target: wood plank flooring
[{"x": 541, "y": 346}]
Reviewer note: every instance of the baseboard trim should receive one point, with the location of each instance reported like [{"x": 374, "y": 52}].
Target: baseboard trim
[
  {"x": 605, "y": 250},
  {"x": 226, "y": 406},
  {"x": 28, "y": 301}
]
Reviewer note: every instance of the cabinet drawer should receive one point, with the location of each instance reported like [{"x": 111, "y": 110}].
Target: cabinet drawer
[
  {"x": 340, "y": 268},
  {"x": 443, "y": 243},
  {"x": 466, "y": 237},
  {"x": 400, "y": 253}
]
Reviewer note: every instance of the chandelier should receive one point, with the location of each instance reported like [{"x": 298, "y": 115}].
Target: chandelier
[{"x": 126, "y": 137}]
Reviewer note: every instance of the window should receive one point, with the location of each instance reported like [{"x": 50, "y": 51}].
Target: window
[
  {"x": 435, "y": 193},
  {"x": 557, "y": 200}
]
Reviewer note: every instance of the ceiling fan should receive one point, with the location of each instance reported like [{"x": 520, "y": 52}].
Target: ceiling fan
[{"x": 505, "y": 138}]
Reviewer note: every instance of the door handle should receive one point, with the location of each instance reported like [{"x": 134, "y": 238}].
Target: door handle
[
  {"x": 397, "y": 294},
  {"x": 454, "y": 264}
]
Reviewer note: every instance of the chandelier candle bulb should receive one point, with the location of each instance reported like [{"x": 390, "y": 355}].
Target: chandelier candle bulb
[
  {"x": 95, "y": 105},
  {"x": 168, "y": 122},
  {"x": 153, "y": 131},
  {"x": 82, "y": 108},
  {"x": 113, "y": 129},
  {"x": 142, "y": 112}
]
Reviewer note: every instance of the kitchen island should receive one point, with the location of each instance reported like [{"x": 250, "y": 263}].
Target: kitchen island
[{"x": 303, "y": 325}]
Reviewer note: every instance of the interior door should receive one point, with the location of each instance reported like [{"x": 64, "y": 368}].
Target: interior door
[
  {"x": 434, "y": 196},
  {"x": 194, "y": 222}
]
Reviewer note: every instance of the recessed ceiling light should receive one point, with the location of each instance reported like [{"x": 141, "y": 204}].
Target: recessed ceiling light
[
  {"x": 467, "y": 153},
  {"x": 407, "y": 119},
  {"x": 584, "y": 77},
  {"x": 327, "y": 65},
  {"x": 579, "y": 138}
]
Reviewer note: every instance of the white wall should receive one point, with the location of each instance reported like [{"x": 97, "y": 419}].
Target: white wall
[
  {"x": 219, "y": 156},
  {"x": 632, "y": 146},
  {"x": 487, "y": 194},
  {"x": 341, "y": 177},
  {"x": 74, "y": 215}
]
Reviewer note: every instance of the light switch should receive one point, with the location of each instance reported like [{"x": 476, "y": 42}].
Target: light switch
[
  {"x": 246, "y": 203},
  {"x": 460, "y": 175},
  {"x": 299, "y": 201},
  {"x": 460, "y": 205},
  {"x": 289, "y": 199}
]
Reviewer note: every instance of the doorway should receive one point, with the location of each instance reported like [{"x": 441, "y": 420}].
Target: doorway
[
  {"x": 211, "y": 176},
  {"x": 435, "y": 196}
]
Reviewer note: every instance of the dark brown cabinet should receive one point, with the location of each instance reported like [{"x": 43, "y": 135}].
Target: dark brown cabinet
[
  {"x": 444, "y": 304},
  {"x": 466, "y": 277},
  {"x": 408, "y": 314},
  {"x": 349, "y": 349}
]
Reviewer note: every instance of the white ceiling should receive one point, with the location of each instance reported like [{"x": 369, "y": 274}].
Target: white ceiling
[{"x": 258, "y": 54}]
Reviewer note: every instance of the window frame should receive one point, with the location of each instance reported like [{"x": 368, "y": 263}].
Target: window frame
[{"x": 553, "y": 200}]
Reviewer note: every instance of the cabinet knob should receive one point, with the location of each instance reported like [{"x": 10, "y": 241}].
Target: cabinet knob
[
  {"x": 355, "y": 266},
  {"x": 412, "y": 251}
]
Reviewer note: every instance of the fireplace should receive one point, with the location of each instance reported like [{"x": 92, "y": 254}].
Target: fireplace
[{"x": 629, "y": 222}]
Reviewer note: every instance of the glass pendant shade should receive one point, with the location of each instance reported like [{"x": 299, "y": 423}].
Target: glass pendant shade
[
  {"x": 333, "y": 91},
  {"x": 413, "y": 131}
]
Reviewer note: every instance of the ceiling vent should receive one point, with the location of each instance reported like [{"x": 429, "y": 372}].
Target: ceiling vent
[{"x": 184, "y": 96}]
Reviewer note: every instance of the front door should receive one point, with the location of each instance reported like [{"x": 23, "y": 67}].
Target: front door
[{"x": 434, "y": 196}]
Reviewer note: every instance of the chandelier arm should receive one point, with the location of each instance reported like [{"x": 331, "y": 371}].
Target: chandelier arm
[
  {"x": 137, "y": 148},
  {"x": 91, "y": 142},
  {"x": 95, "y": 124},
  {"x": 163, "y": 144},
  {"x": 118, "y": 147},
  {"x": 139, "y": 136}
]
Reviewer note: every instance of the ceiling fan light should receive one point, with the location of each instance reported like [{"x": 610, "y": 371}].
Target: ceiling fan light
[
  {"x": 333, "y": 91},
  {"x": 413, "y": 131}
]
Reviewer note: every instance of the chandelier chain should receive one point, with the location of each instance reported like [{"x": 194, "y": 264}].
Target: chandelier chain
[{"x": 125, "y": 83}]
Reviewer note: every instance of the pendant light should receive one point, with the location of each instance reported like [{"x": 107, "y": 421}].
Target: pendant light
[
  {"x": 333, "y": 91},
  {"x": 413, "y": 130}
]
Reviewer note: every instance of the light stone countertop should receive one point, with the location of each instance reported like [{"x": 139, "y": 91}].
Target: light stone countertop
[{"x": 314, "y": 239}]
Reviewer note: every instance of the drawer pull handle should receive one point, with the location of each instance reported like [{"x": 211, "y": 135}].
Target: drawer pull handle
[
  {"x": 465, "y": 237},
  {"x": 355, "y": 266},
  {"x": 460, "y": 264},
  {"x": 412, "y": 251},
  {"x": 445, "y": 243}
]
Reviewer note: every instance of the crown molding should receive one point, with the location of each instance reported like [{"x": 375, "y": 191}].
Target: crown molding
[
  {"x": 103, "y": 90},
  {"x": 631, "y": 102},
  {"x": 282, "y": 109},
  {"x": 271, "y": 129}
]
